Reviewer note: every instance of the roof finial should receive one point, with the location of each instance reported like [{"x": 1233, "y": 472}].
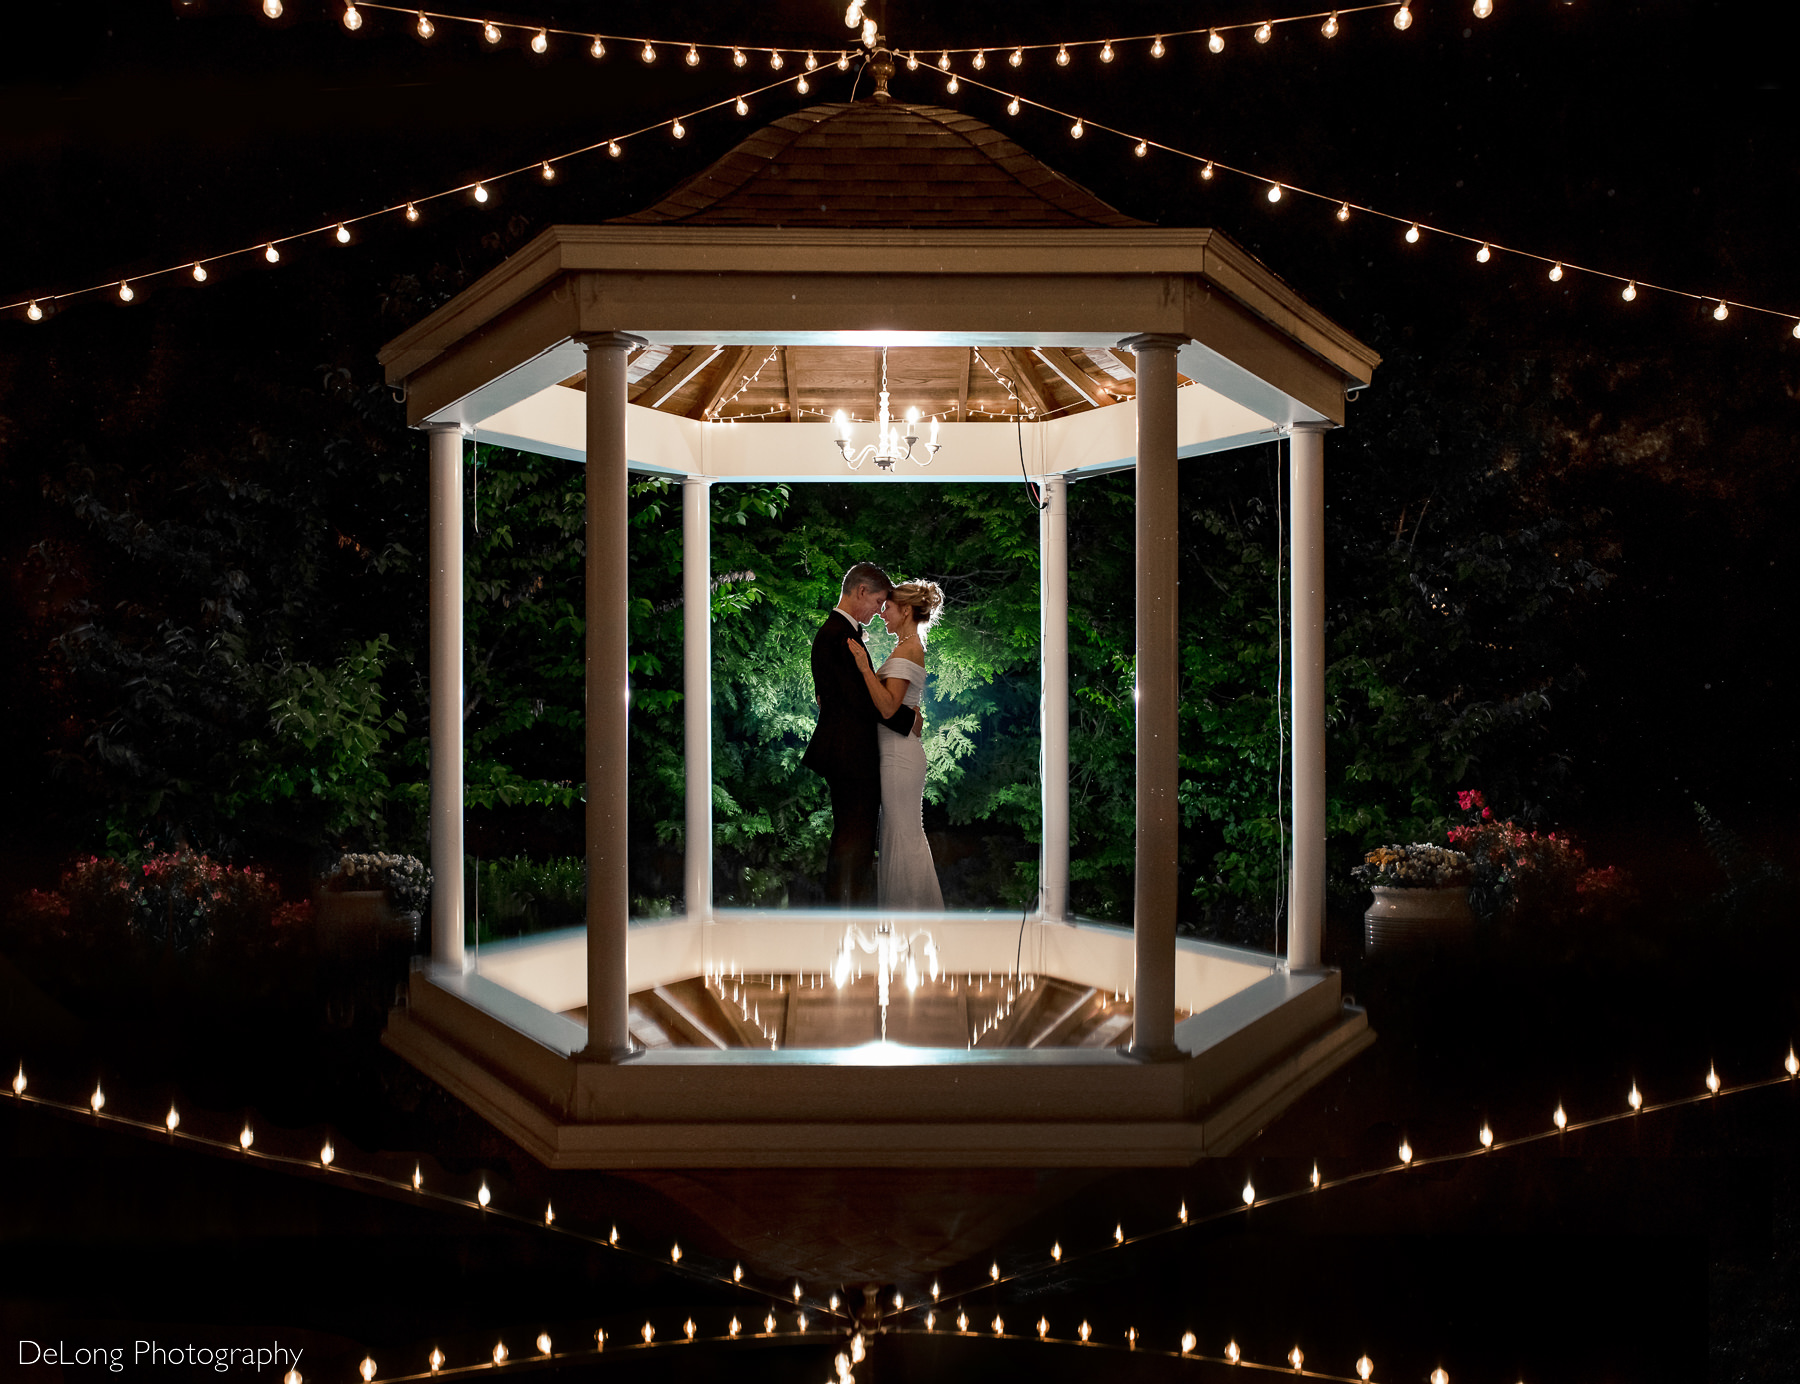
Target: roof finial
[{"x": 882, "y": 65}]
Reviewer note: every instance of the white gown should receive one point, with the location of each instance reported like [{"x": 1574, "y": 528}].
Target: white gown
[{"x": 906, "y": 876}]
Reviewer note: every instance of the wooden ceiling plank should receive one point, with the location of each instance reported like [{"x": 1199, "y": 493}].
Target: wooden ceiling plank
[
  {"x": 1023, "y": 384},
  {"x": 787, "y": 378},
  {"x": 1072, "y": 375},
  {"x": 728, "y": 381},
  {"x": 696, "y": 360}
]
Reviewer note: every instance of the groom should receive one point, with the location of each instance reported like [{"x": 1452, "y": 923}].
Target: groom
[{"x": 843, "y": 749}]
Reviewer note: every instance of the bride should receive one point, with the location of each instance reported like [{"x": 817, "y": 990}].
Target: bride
[{"x": 906, "y": 877}]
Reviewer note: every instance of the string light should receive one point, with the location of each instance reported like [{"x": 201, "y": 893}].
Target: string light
[
  {"x": 737, "y": 57},
  {"x": 598, "y": 47},
  {"x": 481, "y": 192},
  {"x": 425, "y": 27},
  {"x": 490, "y": 33},
  {"x": 812, "y": 63},
  {"x": 962, "y": 1321},
  {"x": 677, "y": 129},
  {"x": 1412, "y": 234},
  {"x": 1330, "y": 27},
  {"x": 343, "y": 234},
  {"x": 1486, "y": 1136},
  {"x": 648, "y": 1333},
  {"x": 1085, "y": 1330},
  {"x": 1440, "y": 1376},
  {"x": 675, "y": 1254},
  {"x": 742, "y": 107},
  {"x": 548, "y": 172},
  {"x": 1062, "y": 57},
  {"x": 1206, "y": 173},
  {"x": 172, "y": 1120},
  {"x": 1077, "y": 130},
  {"x": 1232, "y": 1353},
  {"x": 1315, "y": 1177},
  {"x": 1403, "y": 19},
  {"x": 737, "y": 1274},
  {"x": 944, "y": 61},
  {"x": 246, "y": 1137},
  {"x": 769, "y": 1324},
  {"x": 1249, "y": 1193},
  {"x": 979, "y": 61},
  {"x": 1629, "y": 292},
  {"x": 327, "y": 1153},
  {"x": 735, "y": 1327},
  {"x": 1215, "y": 41},
  {"x": 1406, "y": 1153},
  {"x": 1556, "y": 272},
  {"x": 125, "y": 292},
  {"x": 543, "y": 1343},
  {"x": 1156, "y": 48},
  {"x": 367, "y": 1368},
  {"x": 1141, "y": 149},
  {"x": 1712, "y": 1080},
  {"x": 1721, "y": 312},
  {"x": 1181, "y": 1215},
  {"x": 1188, "y": 1342},
  {"x": 1017, "y": 59},
  {"x": 540, "y": 42},
  {"x": 1043, "y": 1327},
  {"x": 549, "y": 1214},
  {"x": 693, "y": 56},
  {"x": 843, "y": 62},
  {"x": 648, "y": 52},
  {"x": 775, "y": 60},
  {"x": 612, "y": 148},
  {"x": 999, "y": 1326},
  {"x": 1106, "y": 52},
  {"x": 435, "y": 1360},
  {"x": 1012, "y": 106},
  {"x": 953, "y": 86},
  {"x": 272, "y": 8},
  {"x": 1263, "y": 32},
  {"x": 1635, "y": 1098},
  {"x": 418, "y": 1178},
  {"x": 803, "y": 86},
  {"x": 1483, "y": 8},
  {"x": 994, "y": 1271},
  {"x": 1274, "y": 193},
  {"x": 1560, "y": 1119},
  {"x": 36, "y": 314},
  {"x": 500, "y": 1352},
  {"x": 97, "y": 1101},
  {"x": 352, "y": 20},
  {"x": 689, "y": 1328},
  {"x": 1296, "y": 1358},
  {"x": 1364, "y": 1367},
  {"x": 796, "y": 1290},
  {"x": 484, "y": 1196}
]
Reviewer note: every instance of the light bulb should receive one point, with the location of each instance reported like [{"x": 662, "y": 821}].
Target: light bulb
[
  {"x": 199, "y": 272},
  {"x": 979, "y": 61},
  {"x": 549, "y": 1214},
  {"x": 1077, "y": 130},
  {"x": 648, "y": 1333},
  {"x": 1556, "y": 272},
  {"x": 1315, "y": 1175},
  {"x": 1264, "y": 32},
  {"x": 999, "y": 1326},
  {"x": 1483, "y": 255},
  {"x": 1062, "y": 56},
  {"x": 735, "y": 1327},
  {"x": 934, "y": 1290},
  {"x": 293, "y": 1376},
  {"x": 1118, "y": 1234},
  {"x": 675, "y": 1254},
  {"x": 1483, "y": 8},
  {"x": 776, "y": 61},
  {"x": 597, "y": 48},
  {"x": 1412, "y": 234},
  {"x": 425, "y": 27},
  {"x": 737, "y": 57},
  {"x": 540, "y": 42},
  {"x": 737, "y": 1274},
  {"x": 803, "y": 86},
  {"x": 272, "y": 8},
  {"x": 1156, "y": 47},
  {"x": 1629, "y": 292},
  {"x": 994, "y": 1271},
  {"x": 490, "y": 32},
  {"x": 1142, "y": 148},
  {"x": 843, "y": 62},
  {"x": 1403, "y": 19},
  {"x": 1792, "y": 1065},
  {"x": 742, "y": 107},
  {"x": 1085, "y": 1331},
  {"x": 1043, "y": 1327},
  {"x": 693, "y": 56},
  {"x": 1296, "y": 1357},
  {"x": 1559, "y": 1119},
  {"x": 1215, "y": 41},
  {"x": 1017, "y": 59},
  {"x": 1440, "y": 1376},
  {"x": 500, "y": 1352},
  {"x": 1721, "y": 312},
  {"x": 1635, "y": 1098},
  {"x": 1249, "y": 1193},
  {"x": 1274, "y": 192},
  {"x": 1365, "y": 1367},
  {"x": 481, "y": 192},
  {"x": 1232, "y": 1353},
  {"x": 125, "y": 292},
  {"x": 612, "y": 148},
  {"x": 796, "y": 1290},
  {"x": 418, "y": 1178},
  {"x": 367, "y": 1368},
  {"x": 548, "y": 172},
  {"x": 812, "y": 63},
  {"x": 1181, "y": 1215},
  {"x": 484, "y": 1196},
  {"x": 1187, "y": 1342},
  {"x": 647, "y": 52},
  {"x": 97, "y": 1100},
  {"x": 769, "y": 1324},
  {"x": 1343, "y": 212},
  {"x": 343, "y": 234},
  {"x": 1712, "y": 1080},
  {"x": 1405, "y": 1152},
  {"x": 1330, "y": 27},
  {"x": 327, "y": 1153},
  {"x": 352, "y": 20},
  {"x": 543, "y": 1343},
  {"x": 1106, "y": 52},
  {"x": 944, "y": 61},
  {"x": 953, "y": 86},
  {"x": 1012, "y": 106},
  {"x": 689, "y": 1327},
  {"x": 1207, "y": 172},
  {"x": 1486, "y": 1136},
  {"x": 435, "y": 1360},
  {"x": 246, "y": 1137},
  {"x": 899, "y": 1302},
  {"x": 36, "y": 314},
  {"x": 912, "y": 60},
  {"x": 962, "y": 1321},
  {"x": 677, "y": 129},
  {"x": 172, "y": 1120}
]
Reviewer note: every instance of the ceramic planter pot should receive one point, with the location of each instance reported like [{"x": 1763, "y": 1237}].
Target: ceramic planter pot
[{"x": 1408, "y": 917}]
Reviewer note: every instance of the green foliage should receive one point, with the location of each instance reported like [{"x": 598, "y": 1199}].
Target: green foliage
[{"x": 519, "y": 896}]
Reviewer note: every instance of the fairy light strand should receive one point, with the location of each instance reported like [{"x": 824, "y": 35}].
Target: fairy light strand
[{"x": 1631, "y": 286}]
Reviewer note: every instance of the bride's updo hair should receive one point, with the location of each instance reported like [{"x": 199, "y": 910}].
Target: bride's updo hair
[{"x": 923, "y": 598}]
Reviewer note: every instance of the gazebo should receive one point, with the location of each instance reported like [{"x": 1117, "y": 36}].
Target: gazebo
[{"x": 846, "y": 249}]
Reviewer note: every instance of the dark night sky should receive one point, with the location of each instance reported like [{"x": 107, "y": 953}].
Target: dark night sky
[{"x": 1653, "y": 139}]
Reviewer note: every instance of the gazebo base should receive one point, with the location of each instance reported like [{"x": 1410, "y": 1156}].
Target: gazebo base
[{"x": 516, "y": 1064}]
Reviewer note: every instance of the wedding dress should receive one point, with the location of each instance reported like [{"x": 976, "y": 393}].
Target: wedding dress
[{"x": 906, "y": 877}]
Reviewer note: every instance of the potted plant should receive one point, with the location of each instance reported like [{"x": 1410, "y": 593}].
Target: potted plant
[
  {"x": 1421, "y": 894},
  {"x": 373, "y": 897}
]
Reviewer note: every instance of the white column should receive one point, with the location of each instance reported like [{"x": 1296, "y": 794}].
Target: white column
[
  {"x": 1306, "y": 578},
  {"x": 1053, "y": 667},
  {"x": 696, "y": 681},
  {"x": 1158, "y": 722},
  {"x": 608, "y": 698},
  {"x": 446, "y": 616}
]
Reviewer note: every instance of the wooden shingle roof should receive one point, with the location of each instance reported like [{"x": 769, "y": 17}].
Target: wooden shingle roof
[{"x": 880, "y": 163}]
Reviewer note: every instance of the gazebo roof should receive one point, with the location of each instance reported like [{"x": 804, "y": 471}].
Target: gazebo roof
[{"x": 874, "y": 163}]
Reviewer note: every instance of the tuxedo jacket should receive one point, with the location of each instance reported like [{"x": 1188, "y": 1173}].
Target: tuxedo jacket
[{"x": 843, "y": 743}]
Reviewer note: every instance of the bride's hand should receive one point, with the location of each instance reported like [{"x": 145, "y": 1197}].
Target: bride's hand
[
  {"x": 860, "y": 654},
  {"x": 919, "y": 724}
]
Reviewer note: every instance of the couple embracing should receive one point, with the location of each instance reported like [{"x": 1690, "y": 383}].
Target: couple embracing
[{"x": 867, "y": 745}]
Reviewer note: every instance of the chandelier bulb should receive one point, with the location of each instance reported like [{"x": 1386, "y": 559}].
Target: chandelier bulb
[
  {"x": 692, "y": 59},
  {"x": 1206, "y": 172},
  {"x": 1412, "y": 234},
  {"x": 1403, "y": 18},
  {"x": 548, "y": 172},
  {"x": 1018, "y": 57},
  {"x": 352, "y": 19},
  {"x": 1106, "y": 52},
  {"x": 742, "y": 107},
  {"x": 199, "y": 272},
  {"x": 1330, "y": 27},
  {"x": 1264, "y": 32},
  {"x": 1483, "y": 8},
  {"x": 648, "y": 51},
  {"x": 272, "y": 8},
  {"x": 270, "y": 253},
  {"x": 425, "y": 27},
  {"x": 612, "y": 148},
  {"x": 1343, "y": 212},
  {"x": 490, "y": 32},
  {"x": 1156, "y": 48},
  {"x": 1062, "y": 56},
  {"x": 1215, "y": 41},
  {"x": 1012, "y": 106},
  {"x": 34, "y": 312},
  {"x": 1077, "y": 130},
  {"x": 1556, "y": 272},
  {"x": 1483, "y": 255},
  {"x": 1629, "y": 292},
  {"x": 540, "y": 42},
  {"x": 979, "y": 61},
  {"x": 343, "y": 234},
  {"x": 597, "y": 48}
]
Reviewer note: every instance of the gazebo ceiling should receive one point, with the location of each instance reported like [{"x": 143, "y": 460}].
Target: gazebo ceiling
[{"x": 896, "y": 166}]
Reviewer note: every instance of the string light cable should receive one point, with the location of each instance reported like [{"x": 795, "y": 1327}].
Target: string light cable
[
  {"x": 100, "y": 1107},
  {"x": 1631, "y": 286},
  {"x": 270, "y": 247}
]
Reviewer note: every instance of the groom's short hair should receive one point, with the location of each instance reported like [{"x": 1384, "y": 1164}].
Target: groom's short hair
[{"x": 866, "y": 575}]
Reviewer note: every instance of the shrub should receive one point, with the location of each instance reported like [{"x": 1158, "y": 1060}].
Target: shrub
[{"x": 1531, "y": 875}]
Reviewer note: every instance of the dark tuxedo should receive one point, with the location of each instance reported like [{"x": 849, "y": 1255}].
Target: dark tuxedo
[{"x": 843, "y": 751}]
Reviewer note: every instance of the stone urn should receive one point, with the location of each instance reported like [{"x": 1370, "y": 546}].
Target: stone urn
[
  {"x": 352, "y": 920},
  {"x": 1409, "y": 917}
]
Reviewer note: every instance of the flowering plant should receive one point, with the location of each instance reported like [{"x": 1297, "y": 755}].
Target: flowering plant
[
  {"x": 1517, "y": 870},
  {"x": 406, "y": 878},
  {"x": 1418, "y": 866}
]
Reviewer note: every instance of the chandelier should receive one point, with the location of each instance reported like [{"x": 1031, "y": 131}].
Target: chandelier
[
  {"x": 890, "y": 444},
  {"x": 894, "y": 955}
]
